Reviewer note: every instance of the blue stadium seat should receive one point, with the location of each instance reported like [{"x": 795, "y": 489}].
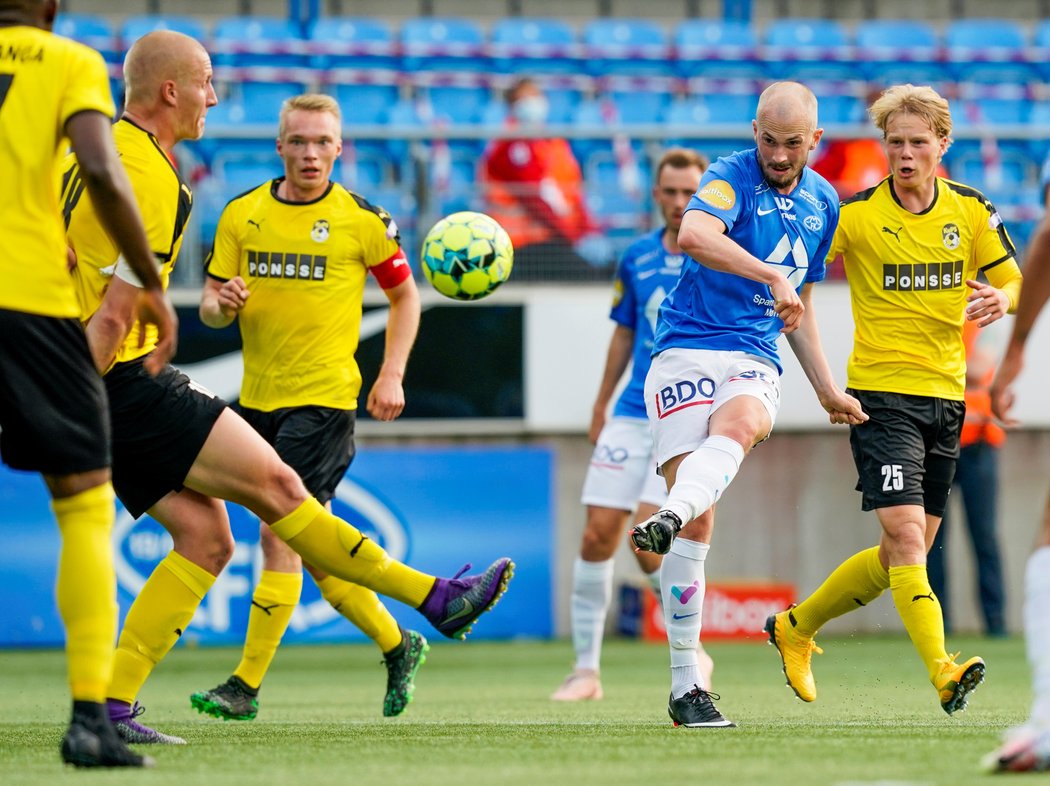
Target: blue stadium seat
[
  {"x": 809, "y": 49},
  {"x": 534, "y": 46},
  {"x": 717, "y": 49},
  {"x": 258, "y": 41},
  {"x": 443, "y": 44},
  {"x": 563, "y": 102},
  {"x": 262, "y": 100},
  {"x": 94, "y": 31},
  {"x": 884, "y": 44},
  {"x": 135, "y": 27},
  {"x": 460, "y": 105},
  {"x": 352, "y": 42},
  {"x": 839, "y": 109},
  {"x": 241, "y": 174},
  {"x": 988, "y": 50},
  {"x": 646, "y": 107},
  {"x": 365, "y": 104},
  {"x": 627, "y": 47},
  {"x": 699, "y": 111}
]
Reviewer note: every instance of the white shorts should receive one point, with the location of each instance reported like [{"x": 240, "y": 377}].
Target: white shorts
[
  {"x": 622, "y": 471},
  {"x": 685, "y": 386}
]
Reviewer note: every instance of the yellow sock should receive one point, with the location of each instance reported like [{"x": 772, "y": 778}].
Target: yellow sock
[
  {"x": 339, "y": 549},
  {"x": 87, "y": 589},
  {"x": 156, "y": 620},
  {"x": 275, "y": 598},
  {"x": 364, "y": 609},
  {"x": 855, "y": 583},
  {"x": 921, "y": 613}
]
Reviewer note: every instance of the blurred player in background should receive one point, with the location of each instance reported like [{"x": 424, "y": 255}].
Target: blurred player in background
[
  {"x": 179, "y": 450},
  {"x": 1027, "y": 747},
  {"x": 756, "y": 233},
  {"x": 300, "y": 329},
  {"x": 912, "y": 246},
  {"x": 52, "y": 403},
  {"x": 622, "y": 472}
]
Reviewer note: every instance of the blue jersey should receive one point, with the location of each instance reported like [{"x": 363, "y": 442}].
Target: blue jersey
[
  {"x": 709, "y": 309},
  {"x": 647, "y": 272}
]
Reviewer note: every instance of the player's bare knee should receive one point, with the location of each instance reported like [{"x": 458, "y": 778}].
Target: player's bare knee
[
  {"x": 599, "y": 543},
  {"x": 281, "y": 491}
]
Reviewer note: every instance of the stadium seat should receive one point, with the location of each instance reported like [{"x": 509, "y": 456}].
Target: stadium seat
[
  {"x": 352, "y": 42},
  {"x": 884, "y": 44},
  {"x": 646, "y": 107},
  {"x": 699, "y": 111},
  {"x": 717, "y": 49},
  {"x": 632, "y": 47},
  {"x": 365, "y": 104},
  {"x": 94, "y": 31},
  {"x": 443, "y": 44},
  {"x": 988, "y": 50},
  {"x": 262, "y": 100},
  {"x": 460, "y": 105},
  {"x": 258, "y": 41},
  {"x": 534, "y": 46},
  {"x": 135, "y": 27},
  {"x": 809, "y": 49},
  {"x": 838, "y": 108}
]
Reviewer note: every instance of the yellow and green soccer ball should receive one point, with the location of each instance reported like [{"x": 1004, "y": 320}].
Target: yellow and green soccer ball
[{"x": 466, "y": 255}]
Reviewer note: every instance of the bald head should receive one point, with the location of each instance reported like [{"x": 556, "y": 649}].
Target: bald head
[
  {"x": 159, "y": 57},
  {"x": 788, "y": 104}
]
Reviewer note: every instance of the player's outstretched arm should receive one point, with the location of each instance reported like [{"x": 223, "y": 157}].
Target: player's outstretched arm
[
  {"x": 222, "y": 300},
  {"x": 805, "y": 343},
  {"x": 1034, "y": 293},
  {"x": 386, "y": 399},
  {"x": 703, "y": 237},
  {"x": 111, "y": 193}
]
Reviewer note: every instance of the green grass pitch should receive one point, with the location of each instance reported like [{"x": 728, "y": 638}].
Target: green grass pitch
[{"x": 481, "y": 715}]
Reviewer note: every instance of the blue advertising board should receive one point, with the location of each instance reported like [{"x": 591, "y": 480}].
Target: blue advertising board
[{"x": 435, "y": 508}]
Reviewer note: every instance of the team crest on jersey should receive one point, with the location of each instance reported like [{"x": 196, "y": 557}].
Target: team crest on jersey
[
  {"x": 813, "y": 223},
  {"x": 718, "y": 194},
  {"x": 319, "y": 233},
  {"x": 950, "y": 236}
]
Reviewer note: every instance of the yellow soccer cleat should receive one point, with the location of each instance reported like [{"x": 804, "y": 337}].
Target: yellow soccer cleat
[
  {"x": 954, "y": 682},
  {"x": 796, "y": 652}
]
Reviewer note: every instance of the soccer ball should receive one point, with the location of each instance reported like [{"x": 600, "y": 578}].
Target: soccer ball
[{"x": 466, "y": 255}]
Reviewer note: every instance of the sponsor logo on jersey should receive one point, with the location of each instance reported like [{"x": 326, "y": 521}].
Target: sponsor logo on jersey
[
  {"x": 817, "y": 203},
  {"x": 718, "y": 194},
  {"x": 684, "y": 394},
  {"x": 275, "y": 264},
  {"x": 922, "y": 277},
  {"x": 895, "y": 232},
  {"x": 950, "y": 236},
  {"x": 319, "y": 233}
]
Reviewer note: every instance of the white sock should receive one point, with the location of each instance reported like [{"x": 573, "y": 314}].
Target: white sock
[
  {"x": 591, "y": 596},
  {"x": 654, "y": 581},
  {"x": 683, "y": 584},
  {"x": 1037, "y": 632},
  {"x": 702, "y": 477}
]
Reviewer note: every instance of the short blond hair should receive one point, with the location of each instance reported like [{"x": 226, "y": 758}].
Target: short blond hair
[
  {"x": 922, "y": 101},
  {"x": 308, "y": 102},
  {"x": 681, "y": 158}
]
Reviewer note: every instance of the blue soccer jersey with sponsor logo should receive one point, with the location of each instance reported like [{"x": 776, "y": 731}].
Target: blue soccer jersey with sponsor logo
[
  {"x": 709, "y": 309},
  {"x": 647, "y": 272}
]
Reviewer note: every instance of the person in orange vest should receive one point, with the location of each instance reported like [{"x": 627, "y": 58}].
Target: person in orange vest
[
  {"x": 534, "y": 188},
  {"x": 977, "y": 477}
]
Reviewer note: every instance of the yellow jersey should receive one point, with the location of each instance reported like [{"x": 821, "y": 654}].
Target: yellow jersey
[
  {"x": 44, "y": 80},
  {"x": 164, "y": 200},
  {"x": 305, "y": 266},
  {"x": 907, "y": 275}
]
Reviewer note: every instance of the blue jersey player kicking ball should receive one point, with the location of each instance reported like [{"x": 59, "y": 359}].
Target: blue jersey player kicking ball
[
  {"x": 756, "y": 233},
  {"x": 622, "y": 473}
]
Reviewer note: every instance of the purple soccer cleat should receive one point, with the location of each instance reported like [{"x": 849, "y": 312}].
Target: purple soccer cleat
[
  {"x": 454, "y": 605},
  {"x": 122, "y": 716}
]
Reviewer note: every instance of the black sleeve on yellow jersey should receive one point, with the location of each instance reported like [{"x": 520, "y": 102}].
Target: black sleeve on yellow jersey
[
  {"x": 860, "y": 196},
  {"x": 1000, "y": 229},
  {"x": 384, "y": 216}
]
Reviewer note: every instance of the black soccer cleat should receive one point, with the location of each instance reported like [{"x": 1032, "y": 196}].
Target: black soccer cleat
[
  {"x": 91, "y": 740},
  {"x": 657, "y": 533},
  {"x": 233, "y": 700},
  {"x": 695, "y": 710}
]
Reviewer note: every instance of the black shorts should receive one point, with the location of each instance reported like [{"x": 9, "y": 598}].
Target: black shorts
[
  {"x": 906, "y": 452},
  {"x": 53, "y": 416},
  {"x": 160, "y": 425},
  {"x": 317, "y": 442}
]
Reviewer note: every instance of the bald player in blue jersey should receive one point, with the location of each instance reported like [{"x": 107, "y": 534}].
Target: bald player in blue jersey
[
  {"x": 622, "y": 473},
  {"x": 756, "y": 233}
]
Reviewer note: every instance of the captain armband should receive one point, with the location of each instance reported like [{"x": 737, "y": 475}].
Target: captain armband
[{"x": 393, "y": 271}]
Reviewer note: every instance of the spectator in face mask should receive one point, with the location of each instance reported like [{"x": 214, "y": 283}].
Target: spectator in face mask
[{"x": 533, "y": 186}]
